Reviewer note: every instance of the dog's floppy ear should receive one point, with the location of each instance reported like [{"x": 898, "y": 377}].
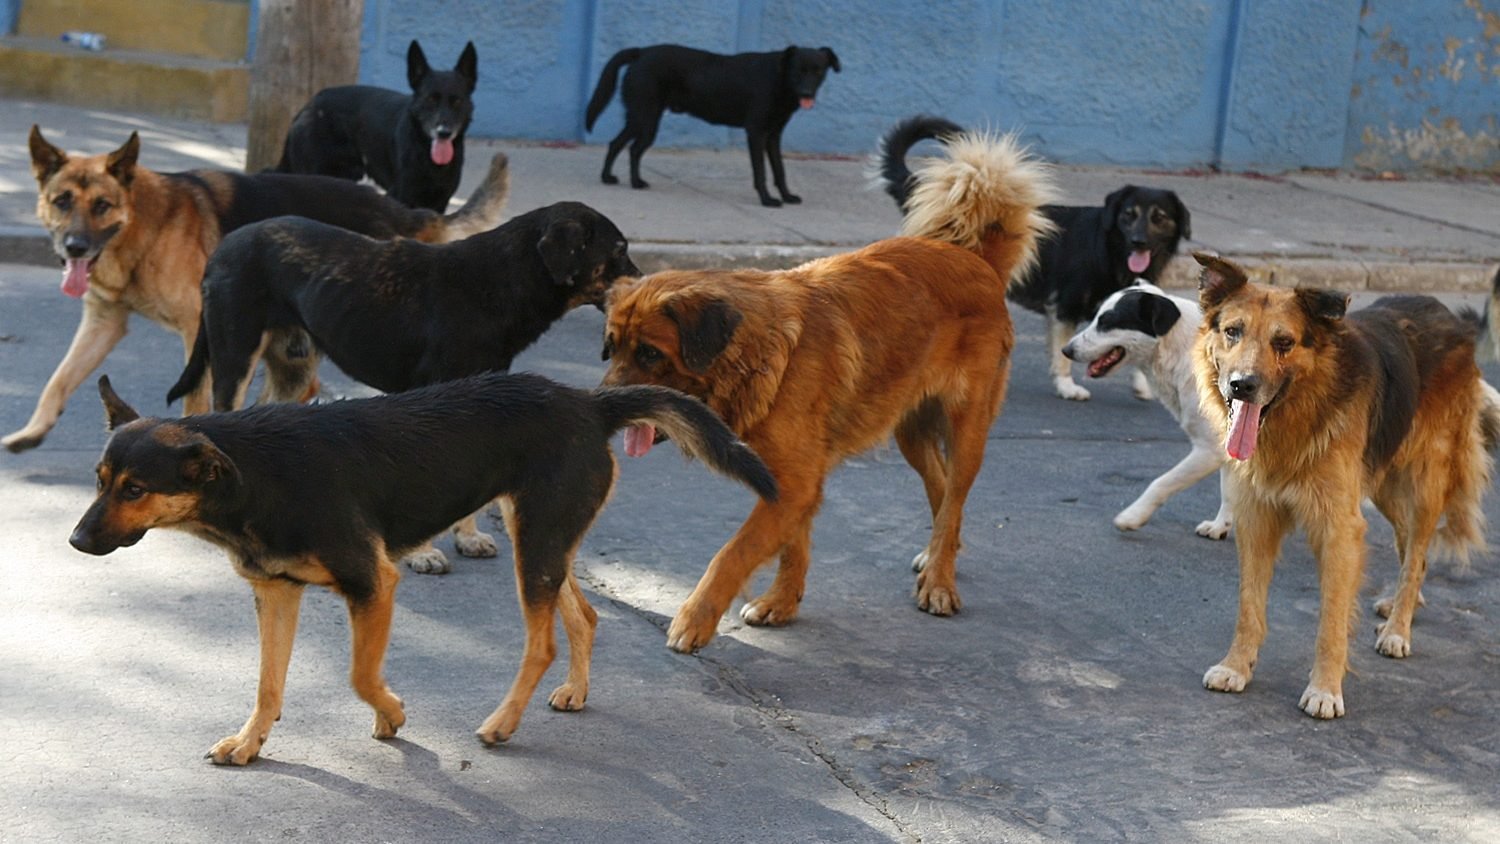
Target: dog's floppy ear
[
  {"x": 116, "y": 411},
  {"x": 833, "y": 59},
  {"x": 202, "y": 462},
  {"x": 468, "y": 65},
  {"x": 46, "y": 159},
  {"x": 1184, "y": 219},
  {"x": 121, "y": 162},
  {"x": 561, "y": 247},
  {"x": 703, "y": 330},
  {"x": 417, "y": 67},
  {"x": 1323, "y": 305},
  {"x": 1115, "y": 202},
  {"x": 1219, "y": 279},
  {"x": 1159, "y": 314}
]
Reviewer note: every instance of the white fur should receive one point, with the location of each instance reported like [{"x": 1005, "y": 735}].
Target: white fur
[{"x": 1167, "y": 364}]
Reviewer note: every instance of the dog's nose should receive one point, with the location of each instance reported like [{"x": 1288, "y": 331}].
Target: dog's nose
[
  {"x": 443, "y": 133},
  {"x": 1068, "y": 351},
  {"x": 1244, "y": 387},
  {"x": 75, "y": 245}
]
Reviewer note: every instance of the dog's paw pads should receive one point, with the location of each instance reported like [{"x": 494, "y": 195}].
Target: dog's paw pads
[
  {"x": 431, "y": 561},
  {"x": 766, "y": 612},
  {"x": 1393, "y": 645},
  {"x": 567, "y": 698},
  {"x": 475, "y": 545},
  {"x": 1222, "y": 678},
  {"x": 1321, "y": 703},
  {"x": 919, "y": 562},
  {"x": 1213, "y": 530}
]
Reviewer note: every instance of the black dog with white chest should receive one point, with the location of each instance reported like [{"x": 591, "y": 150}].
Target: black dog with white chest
[
  {"x": 410, "y": 144},
  {"x": 1097, "y": 250},
  {"x": 758, "y": 91}
]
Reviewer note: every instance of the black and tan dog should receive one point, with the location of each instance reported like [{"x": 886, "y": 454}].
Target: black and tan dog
[
  {"x": 1094, "y": 251},
  {"x": 292, "y": 494},
  {"x": 1320, "y": 411},
  {"x": 136, "y": 241},
  {"x": 396, "y": 314}
]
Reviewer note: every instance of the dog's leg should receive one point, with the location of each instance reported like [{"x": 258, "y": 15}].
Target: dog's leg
[
  {"x": 370, "y": 627},
  {"x": 757, "y": 144},
  {"x": 937, "y": 587},
  {"x": 1141, "y": 386},
  {"x": 778, "y": 606},
  {"x": 645, "y": 136},
  {"x": 277, "y": 603},
  {"x": 920, "y": 436},
  {"x": 1219, "y": 527},
  {"x": 579, "y": 621},
  {"x": 471, "y": 541},
  {"x": 539, "y": 599},
  {"x": 1414, "y": 512},
  {"x": 607, "y": 175},
  {"x": 1337, "y": 537},
  {"x": 1058, "y": 335},
  {"x": 778, "y": 169},
  {"x": 291, "y": 368},
  {"x": 101, "y": 328},
  {"x": 1259, "y": 529},
  {"x": 1197, "y": 465}
]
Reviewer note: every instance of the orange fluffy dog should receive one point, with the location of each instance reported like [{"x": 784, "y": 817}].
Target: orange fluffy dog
[
  {"x": 812, "y": 365},
  {"x": 1385, "y": 403}
]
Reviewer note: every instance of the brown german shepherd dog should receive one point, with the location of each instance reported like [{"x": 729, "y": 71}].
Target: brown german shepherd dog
[
  {"x": 133, "y": 240},
  {"x": 1321, "y": 410}
]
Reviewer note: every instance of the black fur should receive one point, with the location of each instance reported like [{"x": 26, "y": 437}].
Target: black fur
[
  {"x": 704, "y": 336},
  {"x": 758, "y": 91},
  {"x": 1143, "y": 312},
  {"x": 355, "y": 130},
  {"x": 400, "y": 314},
  {"x": 260, "y": 196}
]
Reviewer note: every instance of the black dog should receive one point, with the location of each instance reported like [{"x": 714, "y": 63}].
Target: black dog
[
  {"x": 411, "y": 145},
  {"x": 1096, "y": 251},
  {"x": 759, "y": 91},
  {"x": 330, "y": 494},
  {"x": 397, "y": 314}
]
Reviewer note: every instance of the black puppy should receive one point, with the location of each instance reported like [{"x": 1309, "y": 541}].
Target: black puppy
[
  {"x": 1097, "y": 249},
  {"x": 328, "y": 495},
  {"x": 759, "y": 91},
  {"x": 397, "y": 314},
  {"x": 410, "y": 144}
]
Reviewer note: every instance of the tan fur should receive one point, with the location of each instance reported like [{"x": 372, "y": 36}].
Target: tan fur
[
  {"x": 1309, "y": 470},
  {"x": 907, "y": 336}
]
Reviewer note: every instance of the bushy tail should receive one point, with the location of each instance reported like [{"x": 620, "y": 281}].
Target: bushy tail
[
  {"x": 482, "y": 212},
  {"x": 606, "y": 87},
  {"x": 197, "y": 366},
  {"x": 886, "y": 168},
  {"x": 985, "y": 195},
  {"x": 690, "y": 424}
]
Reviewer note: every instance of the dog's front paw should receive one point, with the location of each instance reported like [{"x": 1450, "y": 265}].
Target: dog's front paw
[
  {"x": 1213, "y": 529},
  {"x": 238, "y": 749},
  {"x": 770, "y": 611},
  {"x": 1392, "y": 643},
  {"x": 919, "y": 562},
  {"x": 1141, "y": 387},
  {"x": 568, "y": 698},
  {"x": 22, "y": 440},
  {"x": 1067, "y": 388},
  {"x": 475, "y": 544},
  {"x": 1222, "y": 678},
  {"x": 501, "y": 724},
  {"x": 769, "y": 201},
  {"x": 791, "y": 198},
  {"x": 609, "y": 178},
  {"x": 692, "y": 628},
  {"x": 1322, "y": 703},
  {"x": 936, "y": 597},
  {"x": 390, "y": 720},
  {"x": 428, "y": 561},
  {"x": 639, "y": 184},
  {"x": 1133, "y": 517}
]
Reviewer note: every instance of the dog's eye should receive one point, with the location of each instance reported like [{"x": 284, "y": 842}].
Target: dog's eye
[
  {"x": 1282, "y": 345},
  {"x": 1130, "y": 213},
  {"x": 99, "y": 483},
  {"x": 63, "y": 201},
  {"x": 131, "y": 492},
  {"x": 101, "y": 207},
  {"x": 646, "y": 355},
  {"x": 1233, "y": 333}
]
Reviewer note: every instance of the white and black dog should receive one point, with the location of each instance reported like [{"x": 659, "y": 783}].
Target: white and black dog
[{"x": 1156, "y": 332}]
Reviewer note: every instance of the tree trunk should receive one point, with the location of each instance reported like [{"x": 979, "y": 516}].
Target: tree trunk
[{"x": 301, "y": 47}]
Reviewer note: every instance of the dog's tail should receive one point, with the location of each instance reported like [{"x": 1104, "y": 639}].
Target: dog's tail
[
  {"x": 985, "y": 195},
  {"x": 197, "y": 366},
  {"x": 886, "y": 168},
  {"x": 606, "y": 87},
  {"x": 482, "y": 212},
  {"x": 690, "y": 424}
]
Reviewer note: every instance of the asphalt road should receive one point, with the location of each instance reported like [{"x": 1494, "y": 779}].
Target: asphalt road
[{"x": 1063, "y": 703}]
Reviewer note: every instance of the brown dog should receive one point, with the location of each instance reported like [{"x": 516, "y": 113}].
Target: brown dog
[
  {"x": 1386, "y": 403},
  {"x": 133, "y": 240}
]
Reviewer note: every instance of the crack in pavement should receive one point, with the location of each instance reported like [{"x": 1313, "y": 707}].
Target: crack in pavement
[{"x": 1403, "y": 213}]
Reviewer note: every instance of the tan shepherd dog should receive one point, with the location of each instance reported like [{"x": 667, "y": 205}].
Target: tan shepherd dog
[
  {"x": 1385, "y": 403},
  {"x": 814, "y": 364},
  {"x": 136, "y": 241}
]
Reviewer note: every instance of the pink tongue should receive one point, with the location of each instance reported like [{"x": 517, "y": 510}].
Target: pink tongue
[
  {"x": 807, "y": 102},
  {"x": 75, "y": 281},
  {"x": 639, "y": 439},
  {"x": 442, "y": 151},
  {"x": 1244, "y": 427},
  {"x": 1139, "y": 261}
]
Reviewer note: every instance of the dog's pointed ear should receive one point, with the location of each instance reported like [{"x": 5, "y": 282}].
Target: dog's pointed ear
[
  {"x": 1323, "y": 305},
  {"x": 561, "y": 248},
  {"x": 202, "y": 463},
  {"x": 417, "y": 67},
  {"x": 468, "y": 65},
  {"x": 1184, "y": 219},
  {"x": 1159, "y": 314},
  {"x": 116, "y": 411},
  {"x": 788, "y": 55},
  {"x": 1218, "y": 280},
  {"x": 121, "y": 163},
  {"x": 833, "y": 59},
  {"x": 46, "y": 159},
  {"x": 703, "y": 330}
]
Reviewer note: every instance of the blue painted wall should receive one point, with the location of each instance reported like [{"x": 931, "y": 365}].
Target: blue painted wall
[{"x": 1238, "y": 84}]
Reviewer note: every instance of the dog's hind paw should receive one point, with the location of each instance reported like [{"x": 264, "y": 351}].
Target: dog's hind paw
[
  {"x": 238, "y": 749},
  {"x": 769, "y": 611},
  {"x": 1213, "y": 530},
  {"x": 567, "y": 698},
  {"x": 22, "y": 440},
  {"x": 1222, "y": 678},
  {"x": 1384, "y": 604},
  {"x": 501, "y": 724},
  {"x": 476, "y": 544},
  {"x": 919, "y": 562},
  {"x": 428, "y": 561},
  {"x": 1321, "y": 703},
  {"x": 1391, "y": 644}
]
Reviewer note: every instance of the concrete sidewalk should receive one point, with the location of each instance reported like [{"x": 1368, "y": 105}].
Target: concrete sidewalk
[{"x": 1331, "y": 230}]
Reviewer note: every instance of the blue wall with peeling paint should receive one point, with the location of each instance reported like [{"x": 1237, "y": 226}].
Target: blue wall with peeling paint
[{"x": 1238, "y": 84}]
